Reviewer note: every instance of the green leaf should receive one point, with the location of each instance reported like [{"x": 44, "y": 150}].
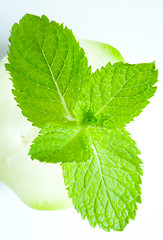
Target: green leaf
[
  {"x": 81, "y": 116},
  {"x": 105, "y": 189},
  {"x": 119, "y": 92},
  {"x": 47, "y": 67},
  {"x": 58, "y": 143}
]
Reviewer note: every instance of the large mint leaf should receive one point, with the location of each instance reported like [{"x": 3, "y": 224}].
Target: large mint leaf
[
  {"x": 47, "y": 67},
  {"x": 105, "y": 189},
  {"x": 120, "y": 91}
]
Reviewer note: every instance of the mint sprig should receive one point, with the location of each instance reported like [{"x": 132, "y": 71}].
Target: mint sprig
[{"x": 82, "y": 116}]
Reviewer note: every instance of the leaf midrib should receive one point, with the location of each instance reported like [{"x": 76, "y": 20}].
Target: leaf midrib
[
  {"x": 70, "y": 118},
  {"x": 101, "y": 176},
  {"x": 117, "y": 92}
]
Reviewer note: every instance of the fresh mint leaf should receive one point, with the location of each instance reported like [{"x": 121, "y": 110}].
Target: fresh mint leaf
[
  {"x": 82, "y": 115},
  {"x": 105, "y": 189},
  {"x": 47, "y": 67},
  {"x": 118, "y": 93},
  {"x": 58, "y": 143}
]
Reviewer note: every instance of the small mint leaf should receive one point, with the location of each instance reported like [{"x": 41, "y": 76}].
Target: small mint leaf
[{"x": 62, "y": 143}]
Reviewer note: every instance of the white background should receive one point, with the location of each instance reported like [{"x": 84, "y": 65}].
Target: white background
[{"x": 135, "y": 28}]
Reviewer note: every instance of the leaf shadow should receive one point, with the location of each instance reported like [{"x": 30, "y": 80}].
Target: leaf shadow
[{"x": 3, "y": 50}]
